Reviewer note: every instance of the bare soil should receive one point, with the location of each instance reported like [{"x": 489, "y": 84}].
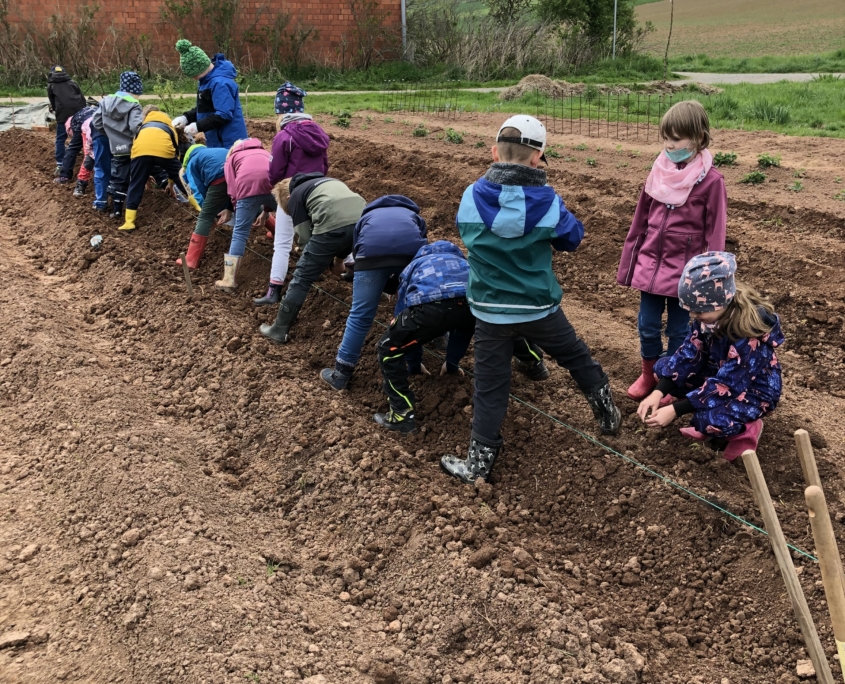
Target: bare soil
[{"x": 182, "y": 502}]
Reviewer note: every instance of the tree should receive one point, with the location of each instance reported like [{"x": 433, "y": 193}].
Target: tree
[{"x": 594, "y": 18}]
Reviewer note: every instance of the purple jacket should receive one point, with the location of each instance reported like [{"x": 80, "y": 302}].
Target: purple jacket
[
  {"x": 662, "y": 240},
  {"x": 300, "y": 147},
  {"x": 246, "y": 170}
]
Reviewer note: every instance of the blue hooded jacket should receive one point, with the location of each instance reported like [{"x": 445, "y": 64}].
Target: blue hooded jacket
[
  {"x": 438, "y": 271},
  {"x": 389, "y": 233},
  {"x": 204, "y": 167},
  {"x": 218, "y": 113}
]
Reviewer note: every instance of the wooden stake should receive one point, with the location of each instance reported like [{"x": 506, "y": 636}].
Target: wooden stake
[
  {"x": 787, "y": 569},
  {"x": 831, "y": 566},
  {"x": 807, "y": 459},
  {"x": 187, "y": 274}
]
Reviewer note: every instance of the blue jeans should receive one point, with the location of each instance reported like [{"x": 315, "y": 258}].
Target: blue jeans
[
  {"x": 102, "y": 170},
  {"x": 61, "y": 137},
  {"x": 246, "y": 211},
  {"x": 650, "y": 325},
  {"x": 367, "y": 287}
]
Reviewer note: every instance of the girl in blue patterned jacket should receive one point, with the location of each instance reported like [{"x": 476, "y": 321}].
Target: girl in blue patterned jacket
[{"x": 726, "y": 373}]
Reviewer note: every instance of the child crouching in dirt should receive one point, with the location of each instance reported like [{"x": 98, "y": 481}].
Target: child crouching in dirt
[
  {"x": 510, "y": 221},
  {"x": 682, "y": 211},
  {"x": 324, "y": 213},
  {"x": 726, "y": 372},
  {"x": 77, "y": 143}
]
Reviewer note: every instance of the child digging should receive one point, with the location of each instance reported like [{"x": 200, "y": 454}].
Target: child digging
[
  {"x": 76, "y": 143},
  {"x": 154, "y": 150},
  {"x": 66, "y": 99},
  {"x": 726, "y": 372},
  {"x": 510, "y": 220},
  {"x": 682, "y": 211}
]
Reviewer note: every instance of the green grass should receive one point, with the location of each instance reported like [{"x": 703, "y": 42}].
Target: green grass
[{"x": 830, "y": 62}]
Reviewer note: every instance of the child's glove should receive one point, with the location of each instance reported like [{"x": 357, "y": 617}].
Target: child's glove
[
  {"x": 191, "y": 129},
  {"x": 180, "y": 122}
]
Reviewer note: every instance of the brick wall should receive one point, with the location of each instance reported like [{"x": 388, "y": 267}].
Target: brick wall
[{"x": 133, "y": 18}]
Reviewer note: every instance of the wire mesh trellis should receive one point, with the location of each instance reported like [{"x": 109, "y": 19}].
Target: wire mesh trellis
[{"x": 631, "y": 116}]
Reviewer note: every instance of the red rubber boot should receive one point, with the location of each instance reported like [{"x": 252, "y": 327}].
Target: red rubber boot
[
  {"x": 646, "y": 383},
  {"x": 195, "y": 251},
  {"x": 746, "y": 441},
  {"x": 270, "y": 225}
]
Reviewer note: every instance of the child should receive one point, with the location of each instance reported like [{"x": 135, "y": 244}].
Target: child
[
  {"x": 218, "y": 112},
  {"x": 385, "y": 241},
  {"x": 119, "y": 116},
  {"x": 726, "y": 372},
  {"x": 300, "y": 146},
  {"x": 324, "y": 213},
  {"x": 509, "y": 221},
  {"x": 66, "y": 99},
  {"x": 73, "y": 128},
  {"x": 682, "y": 212},
  {"x": 249, "y": 189},
  {"x": 206, "y": 179},
  {"x": 155, "y": 147}
]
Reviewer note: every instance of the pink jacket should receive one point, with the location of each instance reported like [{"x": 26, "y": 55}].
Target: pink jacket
[
  {"x": 661, "y": 240},
  {"x": 246, "y": 170}
]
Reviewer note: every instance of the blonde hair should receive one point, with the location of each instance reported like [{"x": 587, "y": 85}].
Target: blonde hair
[
  {"x": 743, "y": 319},
  {"x": 513, "y": 153},
  {"x": 149, "y": 108},
  {"x": 687, "y": 119},
  {"x": 232, "y": 148},
  {"x": 279, "y": 122},
  {"x": 281, "y": 192}
]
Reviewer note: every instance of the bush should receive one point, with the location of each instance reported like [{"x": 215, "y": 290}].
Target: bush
[
  {"x": 343, "y": 119},
  {"x": 724, "y": 159},
  {"x": 454, "y": 137},
  {"x": 420, "y": 131},
  {"x": 766, "y": 161},
  {"x": 753, "y": 178}
]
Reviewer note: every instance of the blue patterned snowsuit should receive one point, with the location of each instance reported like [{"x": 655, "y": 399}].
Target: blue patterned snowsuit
[{"x": 728, "y": 384}]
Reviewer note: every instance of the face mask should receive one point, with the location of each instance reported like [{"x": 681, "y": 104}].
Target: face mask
[{"x": 679, "y": 156}]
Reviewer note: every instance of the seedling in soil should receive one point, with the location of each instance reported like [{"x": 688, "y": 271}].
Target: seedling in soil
[
  {"x": 388, "y": 120},
  {"x": 271, "y": 568},
  {"x": 840, "y": 196},
  {"x": 635, "y": 153},
  {"x": 570, "y": 159},
  {"x": 724, "y": 159},
  {"x": 454, "y": 137},
  {"x": 369, "y": 119},
  {"x": 420, "y": 131},
  {"x": 302, "y": 482},
  {"x": 797, "y": 186},
  {"x": 765, "y": 161},
  {"x": 753, "y": 178},
  {"x": 622, "y": 166},
  {"x": 480, "y": 144},
  {"x": 838, "y": 179},
  {"x": 343, "y": 119},
  {"x": 799, "y": 173},
  {"x": 580, "y": 147},
  {"x": 591, "y": 161},
  {"x": 776, "y": 221},
  {"x": 253, "y": 677},
  {"x": 554, "y": 154}
]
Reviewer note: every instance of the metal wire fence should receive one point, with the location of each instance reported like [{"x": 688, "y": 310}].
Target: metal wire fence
[{"x": 633, "y": 116}]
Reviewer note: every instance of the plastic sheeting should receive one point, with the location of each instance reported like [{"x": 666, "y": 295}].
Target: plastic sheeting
[{"x": 25, "y": 116}]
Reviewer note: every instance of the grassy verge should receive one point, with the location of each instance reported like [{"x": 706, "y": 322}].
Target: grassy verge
[{"x": 830, "y": 62}]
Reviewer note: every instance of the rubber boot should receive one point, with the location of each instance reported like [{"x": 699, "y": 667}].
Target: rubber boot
[
  {"x": 273, "y": 296},
  {"x": 129, "y": 223},
  {"x": 230, "y": 269},
  {"x": 270, "y": 225},
  {"x": 79, "y": 190},
  {"x": 196, "y": 249},
  {"x": 746, "y": 441},
  {"x": 339, "y": 376},
  {"x": 535, "y": 371},
  {"x": 644, "y": 384},
  {"x": 116, "y": 209},
  {"x": 607, "y": 415},
  {"x": 397, "y": 421},
  {"x": 479, "y": 461},
  {"x": 285, "y": 318},
  {"x": 692, "y": 433}
]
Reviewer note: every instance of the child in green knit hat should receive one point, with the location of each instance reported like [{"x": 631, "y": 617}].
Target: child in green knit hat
[{"x": 218, "y": 113}]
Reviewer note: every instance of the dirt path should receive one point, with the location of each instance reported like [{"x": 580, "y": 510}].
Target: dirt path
[{"x": 181, "y": 502}]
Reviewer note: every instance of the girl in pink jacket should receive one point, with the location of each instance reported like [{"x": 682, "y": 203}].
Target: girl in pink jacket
[
  {"x": 246, "y": 169},
  {"x": 682, "y": 212}
]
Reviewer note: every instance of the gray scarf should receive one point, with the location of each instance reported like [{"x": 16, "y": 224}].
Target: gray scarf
[
  {"x": 502, "y": 173},
  {"x": 295, "y": 116}
]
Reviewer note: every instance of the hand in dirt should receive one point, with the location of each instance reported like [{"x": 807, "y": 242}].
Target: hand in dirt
[
  {"x": 649, "y": 405},
  {"x": 224, "y": 217},
  {"x": 337, "y": 267},
  {"x": 424, "y": 370},
  {"x": 444, "y": 370},
  {"x": 662, "y": 417},
  {"x": 259, "y": 221}
]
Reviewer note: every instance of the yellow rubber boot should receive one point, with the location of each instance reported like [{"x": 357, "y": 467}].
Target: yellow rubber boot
[
  {"x": 129, "y": 223},
  {"x": 230, "y": 268}
]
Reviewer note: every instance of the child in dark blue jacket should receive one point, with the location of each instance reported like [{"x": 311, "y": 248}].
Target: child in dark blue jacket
[
  {"x": 726, "y": 373},
  {"x": 385, "y": 240}
]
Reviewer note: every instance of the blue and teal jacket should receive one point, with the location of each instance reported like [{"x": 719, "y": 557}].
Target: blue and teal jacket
[
  {"x": 204, "y": 166},
  {"x": 218, "y": 112},
  {"x": 510, "y": 221},
  {"x": 438, "y": 271}
]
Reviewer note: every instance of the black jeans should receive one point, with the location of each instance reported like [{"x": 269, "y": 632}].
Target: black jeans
[
  {"x": 74, "y": 147},
  {"x": 141, "y": 168},
  {"x": 119, "y": 182},
  {"x": 494, "y": 345},
  {"x": 317, "y": 256}
]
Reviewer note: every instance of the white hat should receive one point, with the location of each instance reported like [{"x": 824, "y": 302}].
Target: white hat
[{"x": 532, "y": 132}]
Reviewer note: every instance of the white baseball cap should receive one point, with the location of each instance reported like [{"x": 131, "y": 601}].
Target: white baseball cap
[{"x": 532, "y": 132}]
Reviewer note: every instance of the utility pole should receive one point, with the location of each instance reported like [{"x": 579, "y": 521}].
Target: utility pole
[
  {"x": 615, "y": 8},
  {"x": 404, "y": 30}
]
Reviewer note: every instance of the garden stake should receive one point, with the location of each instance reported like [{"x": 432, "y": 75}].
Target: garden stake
[
  {"x": 807, "y": 458},
  {"x": 187, "y": 274},
  {"x": 787, "y": 569},
  {"x": 831, "y": 566}
]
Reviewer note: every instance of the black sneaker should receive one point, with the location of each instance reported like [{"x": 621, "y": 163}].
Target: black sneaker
[
  {"x": 398, "y": 422},
  {"x": 335, "y": 377},
  {"x": 536, "y": 372}
]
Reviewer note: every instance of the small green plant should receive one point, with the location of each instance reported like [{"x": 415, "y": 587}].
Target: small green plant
[
  {"x": 598, "y": 149},
  {"x": 840, "y": 196},
  {"x": 580, "y": 148},
  {"x": 775, "y": 221},
  {"x": 369, "y": 119},
  {"x": 799, "y": 173},
  {"x": 570, "y": 159},
  {"x": 724, "y": 159},
  {"x": 253, "y": 677},
  {"x": 420, "y": 131},
  {"x": 797, "y": 186},
  {"x": 271, "y": 568},
  {"x": 454, "y": 137},
  {"x": 766, "y": 161},
  {"x": 635, "y": 153},
  {"x": 827, "y": 77},
  {"x": 343, "y": 119},
  {"x": 480, "y": 144},
  {"x": 624, "y": 165},
  {"x": 302, "y": 482},
  {"x": 766, "y": 111},
  {"x": 388, "y": 120},
  {"x": 838, "y": 179},
  {"x": 753, "y": 178},
  {"x": 591, "y": 161},
  {"x": 553, "y": 153}
]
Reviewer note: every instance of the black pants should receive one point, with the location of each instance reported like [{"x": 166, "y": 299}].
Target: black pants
[
  {"x": 494, "y": 346},
  {"x": 317, "y": 256},
  {"x": 119, "y": 182},
  {"x": 419, "y": 325},
  {"x": 74, "y": 147},
  {"x": 142, "y": 168}
]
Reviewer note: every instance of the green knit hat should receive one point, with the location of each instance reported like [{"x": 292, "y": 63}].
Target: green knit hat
[{"x": 193, "y": 60}]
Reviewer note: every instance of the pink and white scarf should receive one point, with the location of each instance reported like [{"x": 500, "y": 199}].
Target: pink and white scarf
[{"x": 670, "y": 185}]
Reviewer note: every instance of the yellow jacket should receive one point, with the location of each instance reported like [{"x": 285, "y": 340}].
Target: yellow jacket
[{"x": 152, "y": 141}]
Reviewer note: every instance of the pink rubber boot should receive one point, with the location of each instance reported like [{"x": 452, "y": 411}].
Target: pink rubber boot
[
  {"x": 646, "y": 383},
  {"x": 692, "y": 433},
  {"x": 746, "y": 441}
]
